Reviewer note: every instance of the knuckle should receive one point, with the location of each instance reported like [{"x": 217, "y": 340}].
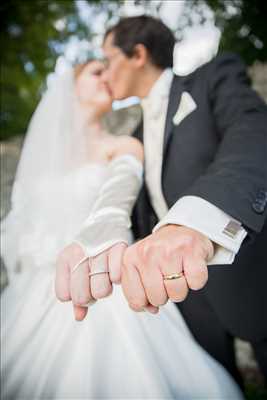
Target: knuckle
[
  {"x": 137, "y": 306},
  {"x": 125, "y": 260},
  {"x": 150, "y": 247},
  {"x": 127, "y": 256},
  {"x": 159, "y": 302},
  {"x": 120, "y": 247},
  {"x": 63, "y": 297},
  {"x": 197, "y": 278},
  {"x": 131, "y": 254},
  {"x": 169, "y": 251},
  {"x": 82, "y": 299},
  {"x": 101, "y": 292},
  {"x": 134, "y": 308},
  {"x": 138, "y": 303},
  {"x": 116, "y": 278},
  {"x": 144, "y": 250},
  {"x": 115, "y": 272},
  {"x": 156, "y": 295},
  {"x": 76, "y": 250},
  {"x": 188, "y": 241}
]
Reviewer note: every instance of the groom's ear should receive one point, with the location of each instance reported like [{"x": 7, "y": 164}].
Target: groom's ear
[{"x": 140, "y": 55}]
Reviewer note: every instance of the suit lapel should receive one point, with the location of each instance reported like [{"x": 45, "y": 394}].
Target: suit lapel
[
  {"x": 174, "y": 99},
  {"x": 139, "y": 131}
]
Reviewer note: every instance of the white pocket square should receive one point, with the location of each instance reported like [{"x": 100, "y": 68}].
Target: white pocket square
[{"x": 186, "y": 106}]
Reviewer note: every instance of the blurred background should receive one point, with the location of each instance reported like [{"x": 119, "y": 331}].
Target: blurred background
[{"x": 41, "y": 38}]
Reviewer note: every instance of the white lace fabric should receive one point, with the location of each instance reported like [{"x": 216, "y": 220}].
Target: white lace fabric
[
  {"x": 109, "y": 220},
  {"x": 34, "y": 235}
]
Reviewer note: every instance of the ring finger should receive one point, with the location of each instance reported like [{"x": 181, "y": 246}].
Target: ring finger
[
  {"x": 80, "y": 285},
  {"x": 177, "y": 288},
  {"x": 100, "y": 281}
]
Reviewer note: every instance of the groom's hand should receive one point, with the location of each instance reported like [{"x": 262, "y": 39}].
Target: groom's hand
[
  {"x": 77, "y": 286},
  {"x": 170, "y": 250}
]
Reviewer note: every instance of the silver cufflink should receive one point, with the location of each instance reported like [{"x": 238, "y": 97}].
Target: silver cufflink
[{"x": 232, "y": 229}]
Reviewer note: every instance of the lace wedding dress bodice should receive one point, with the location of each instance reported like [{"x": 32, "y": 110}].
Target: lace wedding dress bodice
[{"x": 61, "y": 206}]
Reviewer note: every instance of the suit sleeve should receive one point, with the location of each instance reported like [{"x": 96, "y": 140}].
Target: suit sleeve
[{"x": 236, "y": 180}]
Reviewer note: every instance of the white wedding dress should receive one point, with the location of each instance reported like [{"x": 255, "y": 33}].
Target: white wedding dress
[{"x": 114, "y": 353}]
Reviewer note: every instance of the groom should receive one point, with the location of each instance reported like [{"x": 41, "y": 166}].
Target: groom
[
  {"x": 205, "y": 140},
  {"x": 205, "y": 195}
]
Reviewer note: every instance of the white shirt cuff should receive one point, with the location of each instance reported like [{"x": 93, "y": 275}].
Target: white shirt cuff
[{"x": 197, "y": 213}]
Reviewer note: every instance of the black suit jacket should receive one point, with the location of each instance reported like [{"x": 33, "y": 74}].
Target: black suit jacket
[{"x": 219, "y": 153}]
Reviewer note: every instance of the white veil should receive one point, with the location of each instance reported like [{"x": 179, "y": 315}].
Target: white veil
[
  {"x": 53, "y": 131},
  {"x": 54, "y": 146}
]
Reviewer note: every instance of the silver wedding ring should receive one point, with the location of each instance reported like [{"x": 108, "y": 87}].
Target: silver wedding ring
[
  {"x": 98, "y": 272},
  {"x": 79, "y": 263}
]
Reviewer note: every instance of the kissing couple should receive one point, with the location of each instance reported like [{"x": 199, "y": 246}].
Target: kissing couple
[{"x": 134, "y": 222}]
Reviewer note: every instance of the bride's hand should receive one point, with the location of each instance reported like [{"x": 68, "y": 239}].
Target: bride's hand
[{"x": 78, "y": 286}]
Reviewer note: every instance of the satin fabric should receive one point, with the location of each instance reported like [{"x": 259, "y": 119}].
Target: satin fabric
[{"x": 115, "y": 353}]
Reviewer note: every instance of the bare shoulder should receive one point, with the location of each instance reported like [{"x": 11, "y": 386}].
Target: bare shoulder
[{"x": 128, "y": 145}]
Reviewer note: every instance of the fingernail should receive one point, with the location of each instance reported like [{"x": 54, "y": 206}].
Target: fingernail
[
  {"x": 89, "y": 304},
  {"x": 154, "y": 311}
]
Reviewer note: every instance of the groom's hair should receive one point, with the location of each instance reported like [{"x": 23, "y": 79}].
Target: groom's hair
[{"x": 151, "y": 32}]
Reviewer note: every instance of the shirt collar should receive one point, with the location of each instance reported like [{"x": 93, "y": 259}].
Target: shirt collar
[{"x": 159, "y": 90}]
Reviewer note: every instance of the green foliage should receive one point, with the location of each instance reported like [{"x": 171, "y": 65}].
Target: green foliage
[
  {"x": 27, "y": 33},
  {"x": 243, "y": 26},
  {"x": 35, "y": 32},
  {"x": 33, "y": 35}
]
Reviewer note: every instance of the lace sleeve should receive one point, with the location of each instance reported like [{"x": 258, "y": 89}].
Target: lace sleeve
[{"x": 109, "y": 221}]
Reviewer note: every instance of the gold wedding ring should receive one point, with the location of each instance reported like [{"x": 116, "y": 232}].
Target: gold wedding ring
[{"x": 173, "y": 276}]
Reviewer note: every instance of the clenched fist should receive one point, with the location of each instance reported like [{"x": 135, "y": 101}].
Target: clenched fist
[
  {"x": 170, "y": 250},
  {"x": 80, "y": 288}
]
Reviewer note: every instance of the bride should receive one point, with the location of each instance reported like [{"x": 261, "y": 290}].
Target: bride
[{"x": 114, "y": 353}]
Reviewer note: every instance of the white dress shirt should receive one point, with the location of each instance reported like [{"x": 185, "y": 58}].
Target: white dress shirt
[{"x": 190, "y": 211}]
